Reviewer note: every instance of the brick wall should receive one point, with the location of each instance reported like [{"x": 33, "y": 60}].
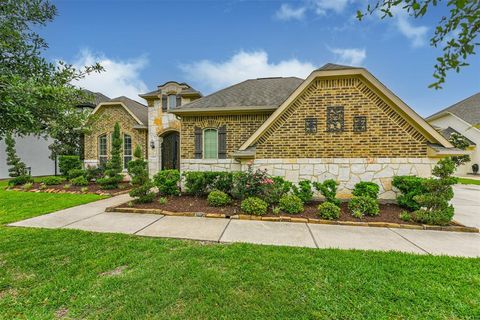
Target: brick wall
[
  {"x": 239, "y": 129},
  {"x": 387, "y": 134},
  {"x": 104, "y": 121}
]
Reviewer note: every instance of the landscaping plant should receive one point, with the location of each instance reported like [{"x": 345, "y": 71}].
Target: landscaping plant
[
  {"x": 138, "y": 171},
  {"x": 93, "y": 173},
  {"x": 255, "y": 206},
  {"x": 363, "y": 206},
  {"x": 162, "y": 200},
  {"x": 366, "y": 189},
  {"x": 79, "y": 181},
  {"x": 218, "y": 198},
  {"x": 53, "y": 180},
  {"x": 248, "y": 183},
  {"x": 67, "y": 163},
  {"x": 329, "y": 190},
  {"x": 410, "y": 187},
  {"x": 200, "y": 183},
  {"x": 275, "y": 188},
  {"x": 434, "y": 202},
  {"x": 303, "y": 190},
  {"x": 328, "y": 210},
  {"x": 291, "y": 204},
  {"x": 75, "y": 173},
  {"x": 405, "y": 216},
  {"x": 27, "y": 186},
  {"x": 115, "y": 162},
  {"x": 18, "y": 169},
  {"x": 167, "y": 182}
]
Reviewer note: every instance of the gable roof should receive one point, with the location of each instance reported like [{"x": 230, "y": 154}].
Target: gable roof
[
  {"x": 137, "y": 110},
  {"x": 331, "y": 70},
  {"x": 468, "y": 110},
  {"x": 94, "y": 98},
  {"x": 254, "y": 94},
  {"x": 447, "y": 133},
  {"x": 186, "y": 90}
]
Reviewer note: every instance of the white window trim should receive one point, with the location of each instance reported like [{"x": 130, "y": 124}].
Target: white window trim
[
  {"x": 203, "y": 143},
  {"x": 106, "y": 147},
  {"x": 123, "y": 149}
]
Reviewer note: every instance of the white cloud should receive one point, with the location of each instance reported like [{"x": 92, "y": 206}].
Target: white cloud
[
  {"x": 416, "y": 34},
  {"x": 286, "y": 12},
  {"x": 120, "y": 78},
  {"x": 351, "y": 56},
  {"x": 242, "y": 66},
  {"x": 323, "y": 6}
]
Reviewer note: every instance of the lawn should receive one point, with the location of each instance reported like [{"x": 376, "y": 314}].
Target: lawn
[
  {"x": 47, "y": 274},
  {"x": 468, "y": 181}
]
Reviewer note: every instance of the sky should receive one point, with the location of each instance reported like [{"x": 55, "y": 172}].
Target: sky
[{"x": 213, "y": 44}]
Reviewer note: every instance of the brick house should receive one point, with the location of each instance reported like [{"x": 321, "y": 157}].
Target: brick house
[{"x": 340, "y": 123}]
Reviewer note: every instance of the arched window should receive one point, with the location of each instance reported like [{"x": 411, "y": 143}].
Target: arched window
[
  {"x": 102, "y": 149},
  {"x": 210, "y": 143},
  {"x": 127, "y": 150}
]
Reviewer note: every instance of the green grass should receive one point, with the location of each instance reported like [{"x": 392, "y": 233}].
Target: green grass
[
  {"x": 468, "y": 181},
  {"x": 45, "y": 274}
]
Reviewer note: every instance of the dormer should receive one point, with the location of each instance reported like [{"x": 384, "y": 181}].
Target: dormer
[{"x": 172, "y": 95}]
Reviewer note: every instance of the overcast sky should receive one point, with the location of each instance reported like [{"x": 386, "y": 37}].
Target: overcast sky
[{"x": 212, "y": 44}]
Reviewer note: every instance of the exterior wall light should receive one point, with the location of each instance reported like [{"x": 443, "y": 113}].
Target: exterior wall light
[{"x": 152, "y": 144}]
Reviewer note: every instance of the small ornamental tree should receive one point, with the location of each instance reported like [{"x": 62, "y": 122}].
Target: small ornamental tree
[
  {"x": 116, "y": 152},
  {"x": 17, "y": 167},
  {"x": 462, "y": 143},
  {"x": 137, "y": 169}
]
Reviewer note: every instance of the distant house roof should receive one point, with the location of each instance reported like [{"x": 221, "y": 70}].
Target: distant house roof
[
  {"x": 261, "y": 93},
  {"x": 447, "y": 133},
  {"x": 135, "y": 107},
  {"x": 94, "y": 99},
  {"x": 468, "y": 110}
]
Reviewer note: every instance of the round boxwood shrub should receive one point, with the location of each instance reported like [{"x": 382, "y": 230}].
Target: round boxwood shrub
[
  {"x": 79, "y": 181},
  {"x": 360, "y": 206},
  {"x": 435, "y": 217},
  {"x": 74, "y": 173},
  {"x": 53, "y": 180},
  {"x": 255, "y": 206},
  {"x": 291, "y": 203},
  {"x": 366, "y": 189},
  {"x": 329, "y": 211},
  {"x": 218, "y": 199},
  {"x": 20, "y": 180}
]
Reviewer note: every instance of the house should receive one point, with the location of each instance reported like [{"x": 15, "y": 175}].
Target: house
[
  {"x": 463, "y": 118},
  {"x": 132, "y": 117},
  {"x": 34, "y": 151}
]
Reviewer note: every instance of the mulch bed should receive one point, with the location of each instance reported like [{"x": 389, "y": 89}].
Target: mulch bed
[
  {"x": 389, "y": 212},
  {"x": 92, "y": 188}
]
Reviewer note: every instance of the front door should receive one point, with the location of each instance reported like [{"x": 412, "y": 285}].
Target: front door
[{"x": 170, "y": 151}]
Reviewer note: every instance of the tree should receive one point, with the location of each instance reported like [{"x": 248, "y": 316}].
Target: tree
[
  {"x": 460, "y": 142},
  {"x": 138, "y": 171},
  {"x": 455, "y": 35},
  {"x": 17, "y": 167},
  {"x": 34, "y": 93},
  {"x": 116, "y": 152}
]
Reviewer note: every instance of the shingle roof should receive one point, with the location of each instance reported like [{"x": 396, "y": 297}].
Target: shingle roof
[
  {"x": 261, "y": 93},
  {"x": 333, "y": 66},
  {"x": 138, "y": 109},
  {"x": 185, "y": 91},
  {"x": 447, "y": 133},
  {"x": 94, "y": 99},
  {"x": 467, "y": 110}
]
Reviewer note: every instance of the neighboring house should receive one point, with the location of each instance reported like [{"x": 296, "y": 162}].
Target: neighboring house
[
  {"x": 339, "y": 123},
  {"x": 132, "y": 116},
  {"x": 34, "y": 151},
  {"x": 463, "y": 118}
]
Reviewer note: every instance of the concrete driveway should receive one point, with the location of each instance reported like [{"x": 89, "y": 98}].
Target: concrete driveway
[{"x": 91, "y": 217}]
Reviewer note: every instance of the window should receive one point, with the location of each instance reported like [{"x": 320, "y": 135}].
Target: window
[
  {"x": 102, "y": 149},
  {"x": 172, "y": 101},
  {"x": 310, "y": 125},
  {"x": 127, "y": 150},
  {"x": 335, "y": 119},
  {"x": 210, "y": 144},
  {"x": 359, "y": 124}
]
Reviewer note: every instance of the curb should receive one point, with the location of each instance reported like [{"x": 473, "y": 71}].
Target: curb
[{"x": 296, "y": 220}]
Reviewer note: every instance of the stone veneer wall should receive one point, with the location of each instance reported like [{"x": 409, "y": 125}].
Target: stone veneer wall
[
  {"x": 105, "y": 120},
  {"x": 347, "y": 171}
]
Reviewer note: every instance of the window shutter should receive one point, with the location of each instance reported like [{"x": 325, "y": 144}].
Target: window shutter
[
  {"x": 164, "y": 103},
  {"x": 198, "y": 143},
  {"x": 222, "y": 142},
  {"x": 179, "y": 101}
]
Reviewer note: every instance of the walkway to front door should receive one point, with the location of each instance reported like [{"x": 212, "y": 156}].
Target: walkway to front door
[{"x": 171, "y": 151}]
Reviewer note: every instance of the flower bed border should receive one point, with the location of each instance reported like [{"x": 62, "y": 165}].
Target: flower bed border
[
  {"x": 51, "y": 190},
  {"x": 296, "y": 220}
]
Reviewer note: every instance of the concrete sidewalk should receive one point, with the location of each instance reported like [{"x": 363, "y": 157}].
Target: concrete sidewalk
[
  {"x": 91, "y": 217},
  {"x": 467, "y": 204}
]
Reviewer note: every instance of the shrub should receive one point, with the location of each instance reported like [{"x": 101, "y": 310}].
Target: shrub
[
  {"x": 110, "y": 180},
  {"x": 20, "y": 180},
  {"x": 84, "y": 189},
  {"x": 137, "y": 169},
  {"x": 53, "y": 180},
  {"x": 366, "y": 189},
  {"x": 93, "y": 173},
  {"x": 276, "y": 211},
  {"x": 222, "y": 181},
  {"x": 434, "y": 202},
  {"x": 79, "y": 181},
  {"x": 27, "y": 186},
  {"x": 42, "y": 186},
  {"x": 75, "y": 173},
  {"x": 249, "y": 183},
  {"x": 67, "y": 163},
  {"x": 329, "y": 190},
  {"x": 167, "y": 182},
  {"x": 275, "y": 188},
  {"x": 360, "y": 206},
  {"x": 142, "y": 193},
  {"x": 303, "y": 190},
  {"x": 410, "y": 187},
  {"x": 255, "y": 206},
  {"x": 329, "y": 211},
  {"x": 17, "y": 167},
  {"x": 218, "y": 198},
  {"x": 200, "y": 183},
  {"x": 291, "y": 204},
  {"x": 115, "y": 162},
  {"x": 162, "y": 200},
  {"x": 405, "y": 216},
  {"x": 66, "y": 186}
]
